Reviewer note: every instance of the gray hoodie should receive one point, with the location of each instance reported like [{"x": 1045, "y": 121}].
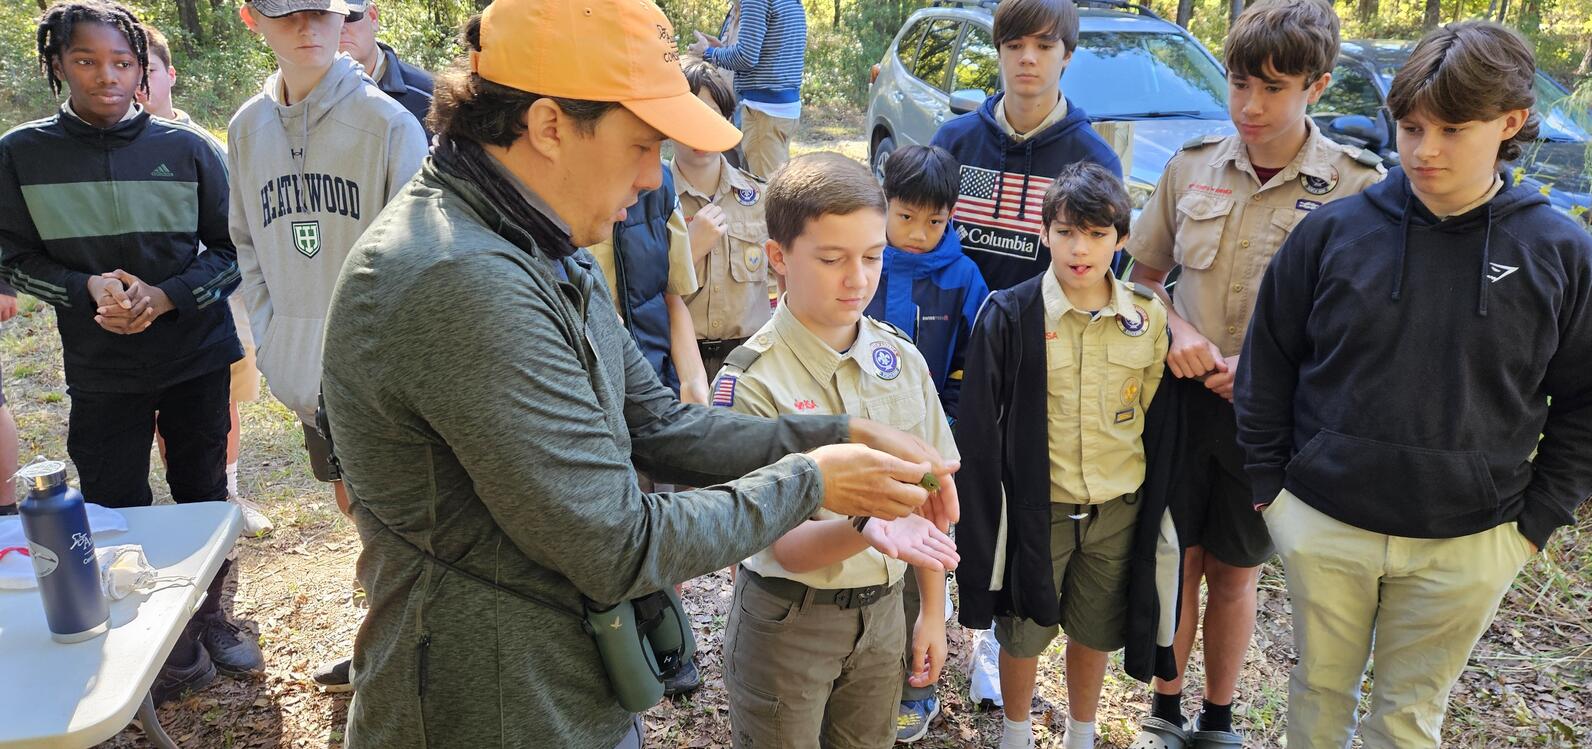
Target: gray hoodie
[{"x": 306, "y": 181}]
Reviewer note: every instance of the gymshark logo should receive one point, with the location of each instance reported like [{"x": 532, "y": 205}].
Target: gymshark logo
[
  {"x": 161, "y": 171},
  {"x": 1500, "y": 271}
]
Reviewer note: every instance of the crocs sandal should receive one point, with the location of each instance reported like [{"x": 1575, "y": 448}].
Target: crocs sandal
[
  {"x": 1159, "y": 733},
  {"x": 1216, "y": 740}
]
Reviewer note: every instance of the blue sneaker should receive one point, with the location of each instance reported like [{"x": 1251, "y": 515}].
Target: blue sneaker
[{"x": 912, "y": 723}]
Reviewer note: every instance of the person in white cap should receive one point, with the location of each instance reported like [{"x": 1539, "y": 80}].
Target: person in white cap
[{"x": 489, "y": 411}]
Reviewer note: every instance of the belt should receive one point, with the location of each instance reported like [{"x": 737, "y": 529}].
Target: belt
[
  {"x": 718, "y": 349},
  {"x": 795, "y": 592}
]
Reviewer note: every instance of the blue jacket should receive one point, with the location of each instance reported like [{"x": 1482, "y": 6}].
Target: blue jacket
[
  {"x": 408, "y": 85},
  {"x": 934, "y": 297},
  {"x": 641, "y": 276},
  {"x": 1003, "y": 183}
]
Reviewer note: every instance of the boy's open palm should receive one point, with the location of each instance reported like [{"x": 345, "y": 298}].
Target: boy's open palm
[{"x": 914, "y": 540}]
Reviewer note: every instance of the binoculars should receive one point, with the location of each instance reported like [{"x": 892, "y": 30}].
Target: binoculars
[{"x": 643, "y": 642}]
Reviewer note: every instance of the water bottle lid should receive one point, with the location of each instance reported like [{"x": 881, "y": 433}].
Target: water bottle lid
[{"x": 43, "y": 474}]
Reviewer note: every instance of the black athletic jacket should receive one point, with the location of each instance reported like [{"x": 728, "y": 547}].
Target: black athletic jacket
[
  {"x": 141, "y": 196},
  {"x": 1399, "y": 370}
]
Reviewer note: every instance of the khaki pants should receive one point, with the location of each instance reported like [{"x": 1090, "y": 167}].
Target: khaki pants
[
  {"x": 765, "y": 140},
  {"x": 1416, "y": 605},
  {"x": 804, "y": 675}
]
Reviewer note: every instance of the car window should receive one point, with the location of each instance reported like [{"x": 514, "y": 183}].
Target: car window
[
  {"x": 977, "y": 65},
  {"x": 934, "y": 57},
  {"x": 1351, "y": 92},
  {"x": 1127, "y": 74},
  {"x": 907, "y": 48}
]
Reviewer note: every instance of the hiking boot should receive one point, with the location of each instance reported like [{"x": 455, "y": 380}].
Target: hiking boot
[
  {"x": 235, "y": 651},
  {"x": 684, "y": 681},
  {"x": 173, "y": 681},
  {"x": 255, "y": 523},
  {"x": 334, "y": 677},
  {"x": 912, "y": 722}
]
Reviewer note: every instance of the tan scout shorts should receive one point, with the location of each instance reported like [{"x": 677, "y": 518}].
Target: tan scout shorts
[
  {"x": 1092, "y": 580},
  {"x": 801, "y": 675}
]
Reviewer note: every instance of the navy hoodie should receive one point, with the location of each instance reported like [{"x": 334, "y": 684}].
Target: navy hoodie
[
  {"x": 933, "y": 296},
  {"x": 1003, "y": 183},
  {"x": 1399, "y": 369}
]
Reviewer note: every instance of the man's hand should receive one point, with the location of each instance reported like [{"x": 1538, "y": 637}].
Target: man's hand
[
  {"x": 703, "y": 43},
  {"x": 1191, "y": 354},
  {"x": 914, "y": 540},
  {"x": 707, "y": 228},
  {"x": 8, "y": 307},
  {"x": 943, "y": 507},
  {"x": 928, "y": 651},
  {"x": 859, "y": 480},
  {"x": 1220, "y": 382}
]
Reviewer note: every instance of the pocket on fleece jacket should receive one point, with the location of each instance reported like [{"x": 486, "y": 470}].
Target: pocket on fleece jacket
[{"x": 1402, "y": 490}]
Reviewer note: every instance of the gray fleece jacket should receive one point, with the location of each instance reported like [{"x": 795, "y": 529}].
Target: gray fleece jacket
[{"x": 498, "y": 431}]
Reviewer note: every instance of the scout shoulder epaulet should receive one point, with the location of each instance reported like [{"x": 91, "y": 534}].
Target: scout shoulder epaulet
[
  {"x": 892, "y": 329},
  {"x": 1144, "y": 291},
  {"x": 1367, "y": 158},
  {"x": 1200, "y": 141},
  {"x": 747, "y": 354}
]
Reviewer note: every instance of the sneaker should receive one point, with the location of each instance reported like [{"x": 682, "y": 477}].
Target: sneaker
[
  {"x": 912, "y": 722},
  {"x": 236, "y": 651},
  {"x": 255, "y": 523},
  {"x": 173, "y": 682},
  {"x": 685, "y": 681},
  {"x": 333, "y": 677}
]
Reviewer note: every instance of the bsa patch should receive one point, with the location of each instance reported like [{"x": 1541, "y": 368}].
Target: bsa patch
[
  {"x": 1319, "y": 186},
  {"x": 805, "y": 404},
  {"x": 1124, "y": 416},
  {"x": 886, "y": 362},
  {"x": 1130, "y": 391},
  {"x": 747, "y": 196},
  {"x": 307, "y": 237},
  {"x": 754, "y": 258},
  {"x": 1134, "y": 324},
  {"x": 724, "y": 391},
  {"x": 1307, "y": 205}
]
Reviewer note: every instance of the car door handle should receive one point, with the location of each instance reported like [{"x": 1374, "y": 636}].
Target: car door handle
[{"x": 896, "y": 96}]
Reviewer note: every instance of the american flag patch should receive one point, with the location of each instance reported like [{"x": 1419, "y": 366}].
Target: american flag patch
[
  {"x": 724, "y": 391},
  {"x": 1001, "y": 211}
]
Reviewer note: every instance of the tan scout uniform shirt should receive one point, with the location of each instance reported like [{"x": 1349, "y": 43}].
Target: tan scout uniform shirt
[
  {"x": 1210, "y": 216},
  {"x": 682, "y": 274},
  {"x": 733, "y": 300},
  {"x": 1101, "y": 372},
  {"x": 882, "y": 377}
]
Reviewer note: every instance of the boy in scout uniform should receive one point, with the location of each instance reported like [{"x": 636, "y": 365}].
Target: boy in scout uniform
[
  {"x": 1222, "y": 209},
  {"x": 813, "y": 651},
  {"x": 724, "y": 206},
  {"x": 1072, "y": 357}
]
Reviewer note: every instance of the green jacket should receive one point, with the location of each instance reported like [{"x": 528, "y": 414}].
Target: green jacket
[{"x": 491, "y": 413}]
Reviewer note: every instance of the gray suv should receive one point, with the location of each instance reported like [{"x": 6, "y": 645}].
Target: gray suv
[{"x": 1130, "y": 65}]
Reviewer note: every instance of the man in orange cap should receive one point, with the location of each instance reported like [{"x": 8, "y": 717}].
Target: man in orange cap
[{"x": 488, "y": 436}]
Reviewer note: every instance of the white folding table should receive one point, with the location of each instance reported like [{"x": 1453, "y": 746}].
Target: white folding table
[{"x": 75, "y": 696}]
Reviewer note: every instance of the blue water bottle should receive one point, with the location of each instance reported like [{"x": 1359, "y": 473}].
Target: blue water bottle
[{"x": 62, "y": 549}]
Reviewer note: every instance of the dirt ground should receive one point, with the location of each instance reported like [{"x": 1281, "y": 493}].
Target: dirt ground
[{"x": 1529, "y": 682}]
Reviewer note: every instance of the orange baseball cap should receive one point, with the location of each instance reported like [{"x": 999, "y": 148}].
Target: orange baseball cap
[{"x": 599, "y": 50}]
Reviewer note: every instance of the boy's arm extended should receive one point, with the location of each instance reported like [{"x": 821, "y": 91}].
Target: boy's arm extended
[
  {"x": 23, "y": 260},
  {"x": 213, "y": 273},
  {"x": 928, "y": 634},
  {"x": 251, "y": 283}
]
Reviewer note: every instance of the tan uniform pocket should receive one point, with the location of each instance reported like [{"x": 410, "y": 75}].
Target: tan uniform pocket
[
  {"x": 1124, "y": 382},
  {"x": 747, "y": 261},
  {"x": 903, "y": 411},
  {"x": 1283, "y": 221},
  {"x": 1201, "y": 219}
]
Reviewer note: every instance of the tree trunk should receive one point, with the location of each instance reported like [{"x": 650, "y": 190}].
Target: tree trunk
[
  {"x": 835, "y": 24},
  {"x": 194, "y": 28},
  {"x": 43, "y": 5},
  {"x": 1585, "y": 67},
  {"x": 1530, "y": 16},
  {"x": 1367, "y": 10},
  {"x": 1185, "y": 12},
  {"x": 1434, "y": 14},
  {"x": 1503, "y": 10},
  {"x": 1234, "y": 10}
]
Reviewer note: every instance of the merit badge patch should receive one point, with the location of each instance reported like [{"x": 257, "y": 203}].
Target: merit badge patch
[
  {"x": 307, "y": 237},
  {"x": 1130, "y": 391},
  {"x": 754, "y": 258},
  {"x": 724, "y": 391},
  {"x": 1307, "y": 205},
  {"x": 1319, "y": 186},
  {"x": 1134, "y": 324},
  {"x": 886, "y": 362},
  {"x": 746, "y": 197},
  {"x": 1124, "y": 416}
]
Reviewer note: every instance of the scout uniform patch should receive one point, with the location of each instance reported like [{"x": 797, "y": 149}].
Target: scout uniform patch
[
  {"x": 724, "y": 391},
  {"x": 754, "y": 258},
  {"x": 746, "y": 196},
  {"x": 1124, "y": 416},
  {"x": 1130, "y": 391},
  {"x": 886, "y": 361},
  {"x": 1319, "y": 186},
  {"x": 1134, "y": 324}
]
